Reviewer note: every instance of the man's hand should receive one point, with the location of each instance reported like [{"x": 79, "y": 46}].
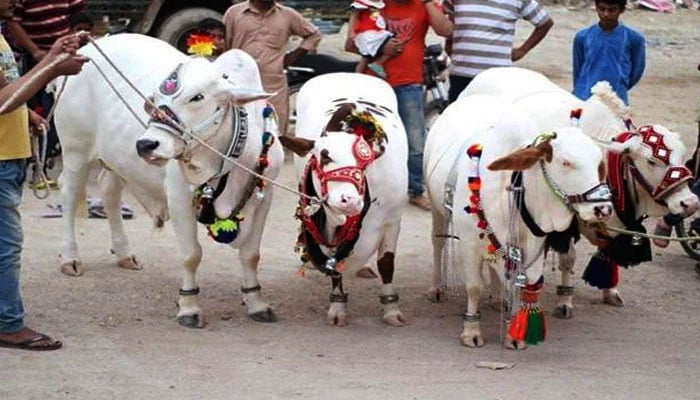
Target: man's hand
[
  {"x": 66, "y": 48},
  {"x": 392, "y": 48},
  {"x": 38, "y": 124},
  {"x": 518, "y": 53}
]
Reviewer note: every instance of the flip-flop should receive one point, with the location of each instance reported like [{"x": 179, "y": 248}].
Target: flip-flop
[{"x": 30, "y": 344}]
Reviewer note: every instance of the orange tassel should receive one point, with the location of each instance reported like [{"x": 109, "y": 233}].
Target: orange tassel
[{"x": 518, "y": 325}]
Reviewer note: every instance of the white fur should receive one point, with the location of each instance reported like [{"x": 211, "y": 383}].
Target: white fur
[
  {"x": 549, "y": 106},
  {"x": 93, "y": 124},
  {"x": 387, "y": 176},
  {"x": 501, "y": 129}
]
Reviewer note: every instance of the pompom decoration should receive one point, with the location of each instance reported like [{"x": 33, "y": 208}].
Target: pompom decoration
[
  {"x": 200, "y": 45},
  {"x": 225, "y": 230},
  {"x": 528, "y": 324}
]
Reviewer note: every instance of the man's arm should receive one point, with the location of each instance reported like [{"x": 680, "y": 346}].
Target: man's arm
[
  {"x": 228, "y": 23},
  {"x": 437, "y": 19},
  {"x": 533, "y": 40},
  {"x": 578, "y": 54},
  {"x": 20, "y": 91},
  {"x": 310, "y": 35},
  {"x": 638, "y": 59},
  {"x": 23, "y": 40}
]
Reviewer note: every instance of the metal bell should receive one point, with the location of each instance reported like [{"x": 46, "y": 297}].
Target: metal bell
[
  {"x": 207, "y": 192},
  {"x": 636, "y": 240},
  {"x": 520, "y": 280},
  {"x": 259, "y": 195},
  {"x": 331, "y": 263}
]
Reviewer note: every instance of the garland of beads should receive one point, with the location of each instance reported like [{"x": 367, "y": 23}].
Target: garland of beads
[
  {"x": 494, "y": 250},
  {"x": 225, "y": 230}
]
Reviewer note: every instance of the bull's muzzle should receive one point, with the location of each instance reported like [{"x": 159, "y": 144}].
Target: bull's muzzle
[{"x": 144, "y": 147}]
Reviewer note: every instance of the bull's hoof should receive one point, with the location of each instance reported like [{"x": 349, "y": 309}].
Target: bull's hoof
[
  {"x": 472, "y": 341},
  {"x": 191, "y": 321},
  {"x": 129, "y": 263},
  {"x": 613, "y": 299},
  {"x": 338, "y": 320},
  {"x": 511, "y": 344},
  {"x": 265, "y": 316},
  {"x": 434, "y": 295},
  {"x": 72, "y": 268},
  {"x": 397, "y": 320},
  {"x": 563, "y": 312}
]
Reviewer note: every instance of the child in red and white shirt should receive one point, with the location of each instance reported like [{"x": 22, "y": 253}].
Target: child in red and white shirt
[{"x": 370, "y": 35}]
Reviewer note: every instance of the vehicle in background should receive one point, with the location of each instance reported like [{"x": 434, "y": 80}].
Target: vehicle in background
[{"x": 174, "y": 20}]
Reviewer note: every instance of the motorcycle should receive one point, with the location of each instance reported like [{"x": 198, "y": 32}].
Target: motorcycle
[{"x": 435, "y": 64}]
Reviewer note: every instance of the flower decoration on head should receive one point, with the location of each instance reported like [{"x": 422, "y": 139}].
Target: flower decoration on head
[
  {"x": 200, "y": 44},
  {"x": 364, "y": 124}
]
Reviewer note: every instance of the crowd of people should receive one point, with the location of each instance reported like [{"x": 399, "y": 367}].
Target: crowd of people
[{"x": 389, "y": 35}]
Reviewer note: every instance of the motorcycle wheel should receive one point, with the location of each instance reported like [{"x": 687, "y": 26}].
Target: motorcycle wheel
[{"x": 689, "y": 229}]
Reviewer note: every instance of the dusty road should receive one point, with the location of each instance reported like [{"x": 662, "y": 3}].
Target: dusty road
[{"x": 122, "y": 342}]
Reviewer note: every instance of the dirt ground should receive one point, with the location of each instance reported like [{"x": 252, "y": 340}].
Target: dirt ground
[{"x": 122, "y": 342}]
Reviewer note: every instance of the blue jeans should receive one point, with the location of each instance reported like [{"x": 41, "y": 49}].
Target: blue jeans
[
  {"x": 12, "y": 175},
  {"x": 412, "y": 112}
]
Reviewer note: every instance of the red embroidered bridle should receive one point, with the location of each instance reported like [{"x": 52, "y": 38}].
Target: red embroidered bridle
[
  {"x": 364, "y": 155},
  {"x": 674, "y": 176}
]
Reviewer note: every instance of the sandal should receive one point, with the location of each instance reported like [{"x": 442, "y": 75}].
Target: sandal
[
  {"x": 662, "y": 229},
  {"x": 32, "y": 343}
]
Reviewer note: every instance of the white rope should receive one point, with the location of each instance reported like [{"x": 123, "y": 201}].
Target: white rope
[{"x": 312, "y": 199}]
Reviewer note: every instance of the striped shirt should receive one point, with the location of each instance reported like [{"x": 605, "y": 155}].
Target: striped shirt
[
  {"x": 484, "y": 31},
  {"x": 45, "y": 21}
]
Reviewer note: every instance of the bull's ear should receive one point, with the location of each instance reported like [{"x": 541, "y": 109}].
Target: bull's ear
[
  {"x": 615, "y": 147},
  {"x": 522, "y": 159},
  {"x": 242, "y": 95},
  {"x": 299, "y": 146},
  {"x": 148, "y": 105}
]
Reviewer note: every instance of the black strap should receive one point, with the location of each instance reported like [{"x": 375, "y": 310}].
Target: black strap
[
  {"x": 189, "y": 292},
  {"x": 338, "y": 298},
  {"x": 256, "y": 288},
  {"x": 565, "y": 290},
  {"x": 516, "y": 180}
]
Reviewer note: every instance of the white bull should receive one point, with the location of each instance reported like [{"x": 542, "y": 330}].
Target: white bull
[
  {"x": 361, "y": 175},
  {"x": 94, "y": 124},
  {"x": 655, "y": 152},
  {"x": 470, "y": 154}
]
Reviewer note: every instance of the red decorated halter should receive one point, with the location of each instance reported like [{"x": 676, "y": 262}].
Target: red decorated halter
[
  {"x": 674, "y": 176},
  {"x": 364, "y": 155}
]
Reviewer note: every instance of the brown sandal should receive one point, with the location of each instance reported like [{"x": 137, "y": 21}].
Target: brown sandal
[{"x": 31, "y": 343}]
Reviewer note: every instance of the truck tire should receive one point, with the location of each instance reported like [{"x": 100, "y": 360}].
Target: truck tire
[{"x": 177, "y": 26}]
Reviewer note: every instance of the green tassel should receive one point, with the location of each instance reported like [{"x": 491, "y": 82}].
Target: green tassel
[{"x": 535, "y": 327}]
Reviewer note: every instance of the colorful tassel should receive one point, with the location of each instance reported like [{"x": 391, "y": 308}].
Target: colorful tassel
[
  {"x": 529, "y": 324},
  {"x": 601, "y": 272},
  {"x": 474, "y": 150}
]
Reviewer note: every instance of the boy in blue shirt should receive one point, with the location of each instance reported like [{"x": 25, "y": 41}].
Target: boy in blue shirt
[{"x": 608, "y": 51}]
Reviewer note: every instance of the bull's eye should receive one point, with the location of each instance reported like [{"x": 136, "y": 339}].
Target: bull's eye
[
  {"x": 567, "y": 164},
  {"x": 196, "y": 98},
  {"x": 651, "y": 161},
  {"x": 325, "y": 158}
]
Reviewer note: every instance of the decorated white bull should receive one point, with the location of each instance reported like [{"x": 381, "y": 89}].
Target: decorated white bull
[
  {"x": 644, "y": 169},
  {"x": 352, "y": 155},
  {"x": 504, "y": 191},
  {"x": 94, "y": 124}
]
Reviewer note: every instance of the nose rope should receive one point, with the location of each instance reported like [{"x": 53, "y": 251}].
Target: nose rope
[
  {"x": 312, "y": 199},
  {"x": 648, "y": 235}
]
